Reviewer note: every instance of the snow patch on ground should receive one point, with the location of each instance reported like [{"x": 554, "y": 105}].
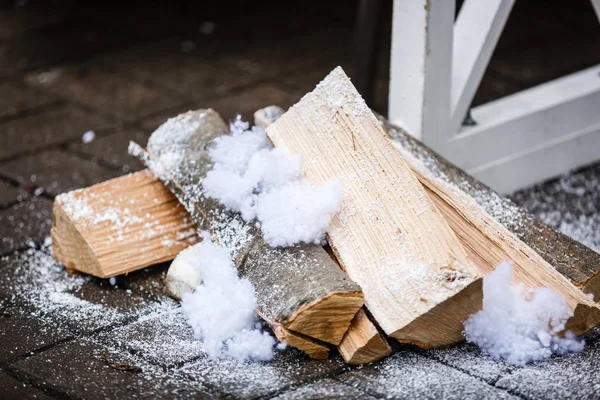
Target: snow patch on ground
[
  {"x": 221, "y": 310},
  {"x": 260, "y": 182},
  {"x": 518, "y": 324}
]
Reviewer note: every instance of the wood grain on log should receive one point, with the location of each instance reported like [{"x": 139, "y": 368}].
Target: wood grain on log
[
  {"x": 418, "y": 282},
  {"x": 119, "y": 226},
  {"x": 362, "y": 343},
  {"x": 313, "y": 298}
]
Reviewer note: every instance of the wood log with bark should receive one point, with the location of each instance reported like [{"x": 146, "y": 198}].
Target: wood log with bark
[{"x": 299, "y": 287}]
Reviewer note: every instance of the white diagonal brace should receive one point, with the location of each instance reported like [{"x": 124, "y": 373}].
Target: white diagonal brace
[
  {"x": 476, "y": 33},
  {"x": 596, "y": 5}
]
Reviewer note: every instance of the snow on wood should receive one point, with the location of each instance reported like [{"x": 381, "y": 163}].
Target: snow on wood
[
  {"x": 119, "y": 226},
  {"x": 362, "y": 343},
  {"x": 300, "y": 286},
  {"x": 418, "y": 282}
]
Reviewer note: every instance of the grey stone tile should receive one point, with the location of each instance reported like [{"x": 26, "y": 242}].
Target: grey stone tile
[
  {"x": 22, "y": 332},
  {"x": 574, "y": 376},
  {"x": 51, "y": 127},
  {"x": 67, "y": 40},
  {"x": 329, "y": 389},
  {"x": 409, "y": 375},
  {"x": 56, "y": 171},
  {"x": 17, "y": 98},
  {"x": 193, "y": 75},
  {"x": 165, "y": 339},
  {"x": 469, "y": 359},
  {"x": 10, "y": 194},
  {"x": 10, "y": 388},
  {"x": 112, "y": 149},
  {"x": 251, "y": 99},
  {"x": 107, "y": 90},
  {"x": 85, "y": 369},
  {"x": 253, "y": 379},
  {"x": 77, "y": 304},
  {"x": 24, "y": 224}
]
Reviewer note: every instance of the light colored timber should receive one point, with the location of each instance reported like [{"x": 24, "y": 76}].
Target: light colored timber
[
  {"x": 488, "y": 243},
  {"x": 314, "y": 349},
  {"x": 362, "y": 342},
  {"x": 299, "y": 287},
  {"x": 542, "y": 256},
  {"x": 119, "y": 226},
  {"x": 418, "y": 282}
]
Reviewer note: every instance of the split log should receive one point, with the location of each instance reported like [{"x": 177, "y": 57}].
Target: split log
[
  {"x": 299, "y": 287},
  {"x": 119, "y": 226},
  {"x": 182, "y": 278},
  {"x": 418, "y": 282},
  {"x": 493, "y": 229},
  {"x": 362, "y": 343}
]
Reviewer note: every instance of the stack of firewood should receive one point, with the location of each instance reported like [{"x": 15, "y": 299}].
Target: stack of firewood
[{"x": 408, "y": 250}]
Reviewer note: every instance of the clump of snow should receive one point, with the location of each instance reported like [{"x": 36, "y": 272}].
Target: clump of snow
[
  {"x": 221, "y": 310},
  {"x": 88, "y": 137},
  {"x": 518, "y": 324},
  {"x": 250, "y": 177}
]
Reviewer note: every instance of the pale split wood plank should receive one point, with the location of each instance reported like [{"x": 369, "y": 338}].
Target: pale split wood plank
[
  {"x": 362, "y": 343},
  {"x": 418, "y": 282},
  {"x": 119, "y": 226}
]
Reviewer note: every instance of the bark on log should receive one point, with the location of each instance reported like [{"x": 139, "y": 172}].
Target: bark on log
[
  {"x": 313, "y": 298},
  {"x": 418, "y": 282}
]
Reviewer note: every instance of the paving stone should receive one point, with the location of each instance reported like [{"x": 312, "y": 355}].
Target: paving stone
[
  {"x": 252, "y": 380},
  {"x": 252, "y": 99},
  {"x": 325, "y": 389},
  {"x": 56, "y": 171},
  {"x": 194, "y": 75},
  {"x": 85, "y": 369},
  {"x": 17, "y": 98},
  {"x": 112, "y": 149},
  {"x": 10, "y": 388},
  {"x": 22, "y": 333},
  {"x": 165, "y": 339},
  {"x": 66, "y": 40},
  {"x": 25, "y": 224},
  {"x": 10, "y": 194},
  {"x": 469, "y": 359},
  {"x": 18, "y": 21},
  {"x": 51, "y": 127},
  {"x": 104, "y": 89},
  {"x": 78, "y": 304},
  {"x": 573, "y": 376},
  {"x": 410, "y": 375}
]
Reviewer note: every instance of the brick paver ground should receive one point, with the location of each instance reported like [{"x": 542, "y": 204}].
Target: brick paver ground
[{"x": 120, "y": 72}]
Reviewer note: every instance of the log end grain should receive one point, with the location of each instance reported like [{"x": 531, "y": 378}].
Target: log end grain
[
  {"x": 328, "y": 318},
  {"x": 443, "y": 324},
  {"x": 363, "y": 343}
]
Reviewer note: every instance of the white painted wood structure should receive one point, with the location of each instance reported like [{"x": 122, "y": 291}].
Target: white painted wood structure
[{"x": 436, "y": 67}]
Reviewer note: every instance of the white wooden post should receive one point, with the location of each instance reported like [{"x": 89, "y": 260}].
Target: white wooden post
[
  {"x": 420, "y": 72},
  {"x": 476, "y": 32},
  {"x": 518, "y": 140}
]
